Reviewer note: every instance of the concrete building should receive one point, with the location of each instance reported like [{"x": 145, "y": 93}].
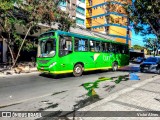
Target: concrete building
[
  {"x": 109, "y": 17},
  {"x": 76, "y": 10}
]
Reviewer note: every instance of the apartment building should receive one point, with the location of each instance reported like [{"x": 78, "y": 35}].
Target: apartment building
[
  {"x": 109, "y": 17},
  {"x": 76, "y": 10}
]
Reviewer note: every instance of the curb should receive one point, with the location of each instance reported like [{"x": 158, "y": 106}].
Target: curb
[
  {"x": 23, "y": 73},
  {"x": 116, "y": 95}
]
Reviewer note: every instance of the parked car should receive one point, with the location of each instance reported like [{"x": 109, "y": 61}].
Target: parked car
[
  {"x": 138, "y": 59},
  {"x": 151, "y": 64}
]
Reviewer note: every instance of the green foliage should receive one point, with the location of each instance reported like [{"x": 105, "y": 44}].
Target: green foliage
[
  {"x": 138, "y": 47},
  {"x": 27, "y": 16},
  {"x": 144, "y": 14},
  {"x": 152, "y": 44}
]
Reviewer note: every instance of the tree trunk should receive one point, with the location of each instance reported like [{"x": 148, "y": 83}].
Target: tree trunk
[
  {"x": 12, "y": 56},
  {"x": 21, "y": 46}
]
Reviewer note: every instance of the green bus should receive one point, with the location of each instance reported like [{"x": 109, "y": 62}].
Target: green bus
[{"x": 62, "y": 52}]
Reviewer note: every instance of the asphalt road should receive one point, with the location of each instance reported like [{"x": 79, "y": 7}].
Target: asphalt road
[{"x": 38, "y": 92}]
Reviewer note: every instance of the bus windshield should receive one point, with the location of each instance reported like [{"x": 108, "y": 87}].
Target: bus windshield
[{"x": 47, "y": 48}]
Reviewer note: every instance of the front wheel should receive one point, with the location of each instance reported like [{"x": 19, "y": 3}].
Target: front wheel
[
  {"x": 115, "y": 66},
  {"x": 78, "y": 70}
]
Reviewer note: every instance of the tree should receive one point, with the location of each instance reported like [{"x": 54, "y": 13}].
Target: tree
[
  {"x": 153, "y": 45},
  {"x": 138, "y": 47},
  {"x": 144, "y": 14},
  {"x": 28, "y": 15}
]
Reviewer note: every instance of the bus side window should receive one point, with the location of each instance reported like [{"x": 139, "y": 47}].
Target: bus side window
[
  {"x": 110, "y": 47},
  {"x": 65, "y": 46},
  {"x": 81, "y": 44},
  {"x": 114, "y": 48},
  {"x": 122, "y": 49},
  {"x": 126, "y": 50},
  {"x": 104, "y": 47},
  {"x": 97, "y": 47},
  {"x": 91, "y": 45},
  {"x": 119, "y": 49}
]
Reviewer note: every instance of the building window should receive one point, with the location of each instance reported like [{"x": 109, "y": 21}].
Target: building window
[
  {"x": 83, "y": 1},
  {"x": 63, "y": 4},
  {"x": 80, "y": 10},
  {"x": 79, "y": 21}
]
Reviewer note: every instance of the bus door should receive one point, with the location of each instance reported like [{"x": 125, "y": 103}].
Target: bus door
[{"x": 65, "y": 51}]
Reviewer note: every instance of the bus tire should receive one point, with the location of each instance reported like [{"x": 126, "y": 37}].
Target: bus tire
[
  {"x": 115, "y": 66},
  {"x": 78, "y": 70}
]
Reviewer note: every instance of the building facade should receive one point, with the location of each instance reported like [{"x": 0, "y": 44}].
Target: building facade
[
  {"x": 76, "y": 10},
  {"x": 109, "y": 17}
]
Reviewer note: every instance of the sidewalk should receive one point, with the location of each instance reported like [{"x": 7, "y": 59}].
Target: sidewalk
[
  {"x": 144, "y": 96},
  {"x": 4, "y": 72}
]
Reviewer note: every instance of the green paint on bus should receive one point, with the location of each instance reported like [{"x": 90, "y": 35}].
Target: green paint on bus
[{"x": 62, "y": 52}]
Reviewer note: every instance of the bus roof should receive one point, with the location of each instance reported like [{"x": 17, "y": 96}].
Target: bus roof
[{"x": 82, "y": 36}]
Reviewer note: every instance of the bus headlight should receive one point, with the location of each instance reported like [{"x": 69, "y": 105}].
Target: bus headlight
[{"x": 53, "y": 64}]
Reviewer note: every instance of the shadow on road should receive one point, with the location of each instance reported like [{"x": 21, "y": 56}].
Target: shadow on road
[{"x": 71, "y": 75}]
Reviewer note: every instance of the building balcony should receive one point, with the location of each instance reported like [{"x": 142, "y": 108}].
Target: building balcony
[
  {"x": 88, "y": 6},
  {"x": 88, "y": 15},
  {"x": 88, "y": 25}
]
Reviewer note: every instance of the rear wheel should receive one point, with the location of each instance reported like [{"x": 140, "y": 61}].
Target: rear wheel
[
  {"x": 78, "y": 70},
  {"x": 115, "y": 66}
]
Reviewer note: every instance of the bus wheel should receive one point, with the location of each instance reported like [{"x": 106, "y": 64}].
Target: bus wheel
[
  {"x": 78, "y": 70},
  {"x": 114, "y": 66}
]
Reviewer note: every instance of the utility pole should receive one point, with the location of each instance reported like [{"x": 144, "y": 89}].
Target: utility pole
[{"x": 127, "y": 37}]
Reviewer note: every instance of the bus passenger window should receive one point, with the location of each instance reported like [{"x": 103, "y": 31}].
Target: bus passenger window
[
  {"x": 103, "y": 48},
  {"x": 65, "y": 46},
  {"x": 97, "y": 47},
  {"x": 113, "y": 48},
  {"x": 91, "y": 46},
  {"x": 126, "y": 50},
  {"x": 108, "y": 47},
  {"x": 81, "y": 44}
]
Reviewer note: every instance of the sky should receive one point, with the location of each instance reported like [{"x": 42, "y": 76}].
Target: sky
[{"x": 137, "y": 39}]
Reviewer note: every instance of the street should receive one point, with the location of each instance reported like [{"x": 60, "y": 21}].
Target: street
[{"x": 35, "y": 92}]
